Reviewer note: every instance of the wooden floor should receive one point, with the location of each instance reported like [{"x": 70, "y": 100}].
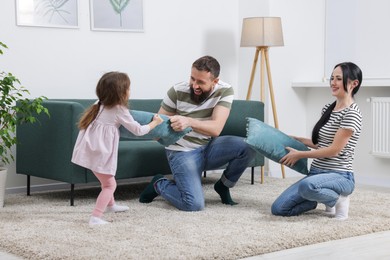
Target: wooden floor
[
  {"x": 374, "y": 246},
  {"x": 6, "y": 256}
]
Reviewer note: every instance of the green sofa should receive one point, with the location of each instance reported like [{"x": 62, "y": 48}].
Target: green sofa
[{"x": 45, "y": 148}]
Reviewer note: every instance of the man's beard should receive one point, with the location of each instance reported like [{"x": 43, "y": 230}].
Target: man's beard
[{"x": 199, "y": 98}]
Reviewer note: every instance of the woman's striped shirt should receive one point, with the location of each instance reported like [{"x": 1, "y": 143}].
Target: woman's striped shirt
[
  {"x": 178, "y": 100},
  {"x": 348, "y": 118}
]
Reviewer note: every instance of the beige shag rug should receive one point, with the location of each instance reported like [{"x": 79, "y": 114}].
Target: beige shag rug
[{"x": 44, "y": 226}]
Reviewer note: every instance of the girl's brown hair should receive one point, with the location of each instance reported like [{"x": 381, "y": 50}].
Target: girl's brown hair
[{"x": 111, "y": 90}]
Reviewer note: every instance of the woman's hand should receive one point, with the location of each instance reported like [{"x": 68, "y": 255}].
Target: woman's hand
[{"x": 291, "y": 157}]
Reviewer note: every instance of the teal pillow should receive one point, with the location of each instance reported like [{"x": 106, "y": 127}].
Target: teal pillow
[
  {"x": 272, "y": 143},
  {"x": 163, "y": 133}
]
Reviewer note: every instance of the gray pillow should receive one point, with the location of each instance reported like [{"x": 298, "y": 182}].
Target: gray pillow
[
  {"x": 163, "y": 133},
  {"x": 271, "y": 143}
]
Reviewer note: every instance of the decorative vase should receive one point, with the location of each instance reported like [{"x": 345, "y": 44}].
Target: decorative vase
[{"x": 3, "y": 180}]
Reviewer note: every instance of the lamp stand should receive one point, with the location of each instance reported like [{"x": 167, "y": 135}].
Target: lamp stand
[{"x": 264, "y": 59}]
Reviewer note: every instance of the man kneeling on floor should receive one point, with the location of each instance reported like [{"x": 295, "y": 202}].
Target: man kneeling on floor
[{"x": 203, "y": 104}]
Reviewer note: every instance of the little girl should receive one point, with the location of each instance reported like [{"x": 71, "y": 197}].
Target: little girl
[{"x": 96, "y": 146}]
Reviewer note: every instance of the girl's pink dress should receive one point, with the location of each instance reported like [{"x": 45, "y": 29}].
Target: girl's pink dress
[{"x": 96, "y": 147}]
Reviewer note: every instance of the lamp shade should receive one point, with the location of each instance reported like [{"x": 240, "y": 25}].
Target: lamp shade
[{"x": 261, "y": 31}]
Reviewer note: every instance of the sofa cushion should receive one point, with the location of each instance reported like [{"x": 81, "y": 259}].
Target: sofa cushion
[
  {"x": 271, "y": 143},
  {"x": 163, "y": 133},
  {"x": 144, "y": 157}
]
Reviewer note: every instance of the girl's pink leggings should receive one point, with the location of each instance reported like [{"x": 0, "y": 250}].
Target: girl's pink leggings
[{"x": 106, "y": 196}]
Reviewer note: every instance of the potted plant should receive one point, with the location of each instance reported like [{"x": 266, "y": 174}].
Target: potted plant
[{"x": 15, "y": 109}]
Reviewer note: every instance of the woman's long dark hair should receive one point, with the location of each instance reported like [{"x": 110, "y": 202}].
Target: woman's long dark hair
[{"x": 350, "y": 72}]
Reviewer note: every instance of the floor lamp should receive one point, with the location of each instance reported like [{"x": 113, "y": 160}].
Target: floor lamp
[{"x": 262, "y": 33}]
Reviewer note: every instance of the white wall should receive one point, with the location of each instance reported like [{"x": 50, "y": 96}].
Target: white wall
[
  {"x": 66, "y": 63},
  {"x": 363, "y": 38},
  {"x": 302, "y": 59}
]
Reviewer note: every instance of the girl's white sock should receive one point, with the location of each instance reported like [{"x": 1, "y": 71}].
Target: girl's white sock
[
  {"x": 342, "y": 208},
  {"x": 117, "y": 208},
  {"x": 93, "y": 221}
]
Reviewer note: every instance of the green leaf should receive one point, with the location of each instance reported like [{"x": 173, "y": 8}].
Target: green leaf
[
  {"x": 15, "y": 109},
  {"x": 119, "y": 5}
]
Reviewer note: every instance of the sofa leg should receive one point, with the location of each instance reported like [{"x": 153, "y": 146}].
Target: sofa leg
[
  {"x": 28, "y": 185},
  {"x": 252, "y": 175},
  {"x": 72, "y": 194}
]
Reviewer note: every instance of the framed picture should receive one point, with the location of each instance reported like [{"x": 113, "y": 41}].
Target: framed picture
[
  {"x": 47, "y": 13},
  {"x": 117, "y": 15}
]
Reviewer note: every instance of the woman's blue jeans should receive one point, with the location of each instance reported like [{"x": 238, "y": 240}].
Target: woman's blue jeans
[
  {"x": 185, "y": 190},
  {"x": 319, "y": 186}
]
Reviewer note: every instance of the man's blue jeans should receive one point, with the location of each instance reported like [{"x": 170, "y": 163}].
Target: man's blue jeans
[
  {"x": 320, "y": 186},
  {"x": 185, "y": 191}
]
